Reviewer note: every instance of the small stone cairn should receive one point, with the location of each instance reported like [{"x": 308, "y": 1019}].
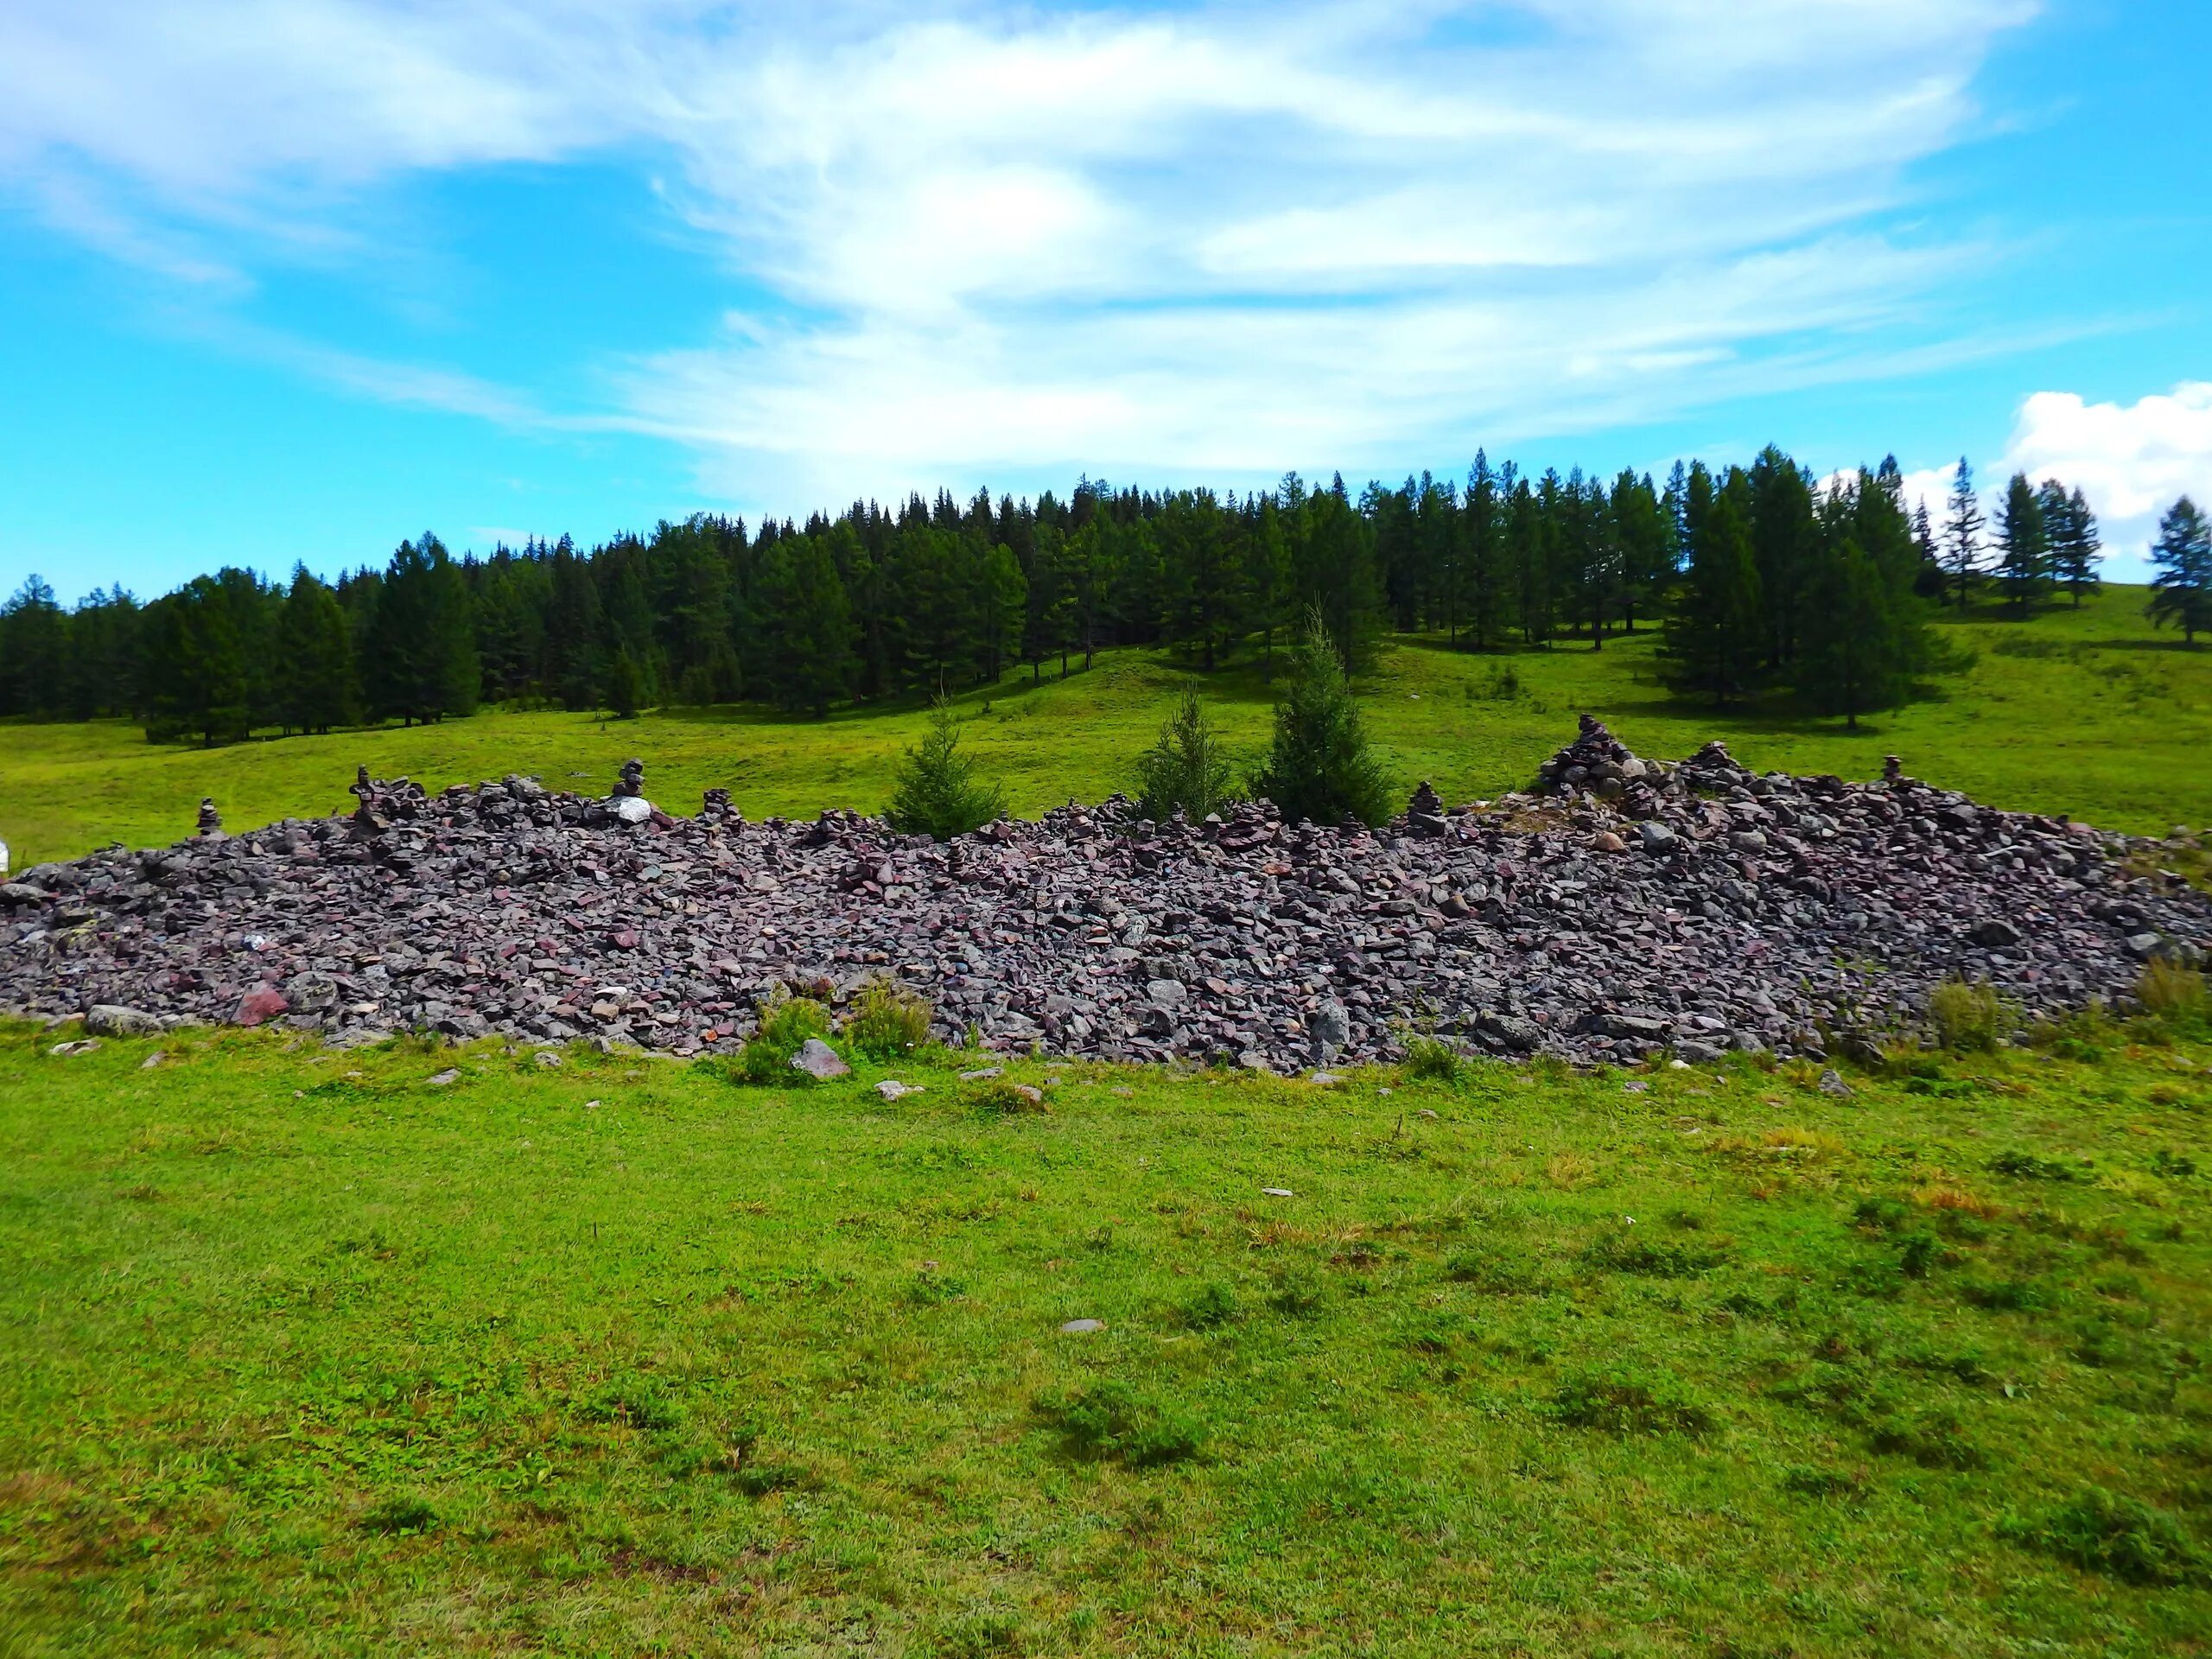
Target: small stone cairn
[
  {"x": 211, "y": 822},
  {"x": 1600, "y": 764}
]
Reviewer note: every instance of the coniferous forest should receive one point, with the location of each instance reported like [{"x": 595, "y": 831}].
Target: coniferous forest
[{"x": 1764, "y": 578}]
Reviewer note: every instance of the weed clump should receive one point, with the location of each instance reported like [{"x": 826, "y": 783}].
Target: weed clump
[
  {"x": 996, "y": 1097},
  {"x": 784, "y": 1029},
  {"x": 1625, "y": 1402},
  {"x": 1431, "y": 1060},
  {"x": 1499, "y": 1272},
  {"x": 888, "y": 1021},
  {"x": 1212, "y": 1307},
  {"x": 400, "y": 1517},
  {"x": 1968, "y": 1016},
  {"x": 1624, "y": 1249},
  {"x": 1110, "y": 1421},
  {"x": 2171, "y": 992},
  {"x": 2120, "y": 1537}
]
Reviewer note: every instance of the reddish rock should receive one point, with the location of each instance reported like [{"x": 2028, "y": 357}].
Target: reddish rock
[{"x": 258, "y": 1007}]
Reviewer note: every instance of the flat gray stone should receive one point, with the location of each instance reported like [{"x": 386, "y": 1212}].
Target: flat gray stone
[
  {"x": 1082, "y": 1327},
  {"x": 819, "y": 1061},
  {"x": 111, "y": 1019}
]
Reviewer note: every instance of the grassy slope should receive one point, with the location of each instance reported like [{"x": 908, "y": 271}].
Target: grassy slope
[
  {"x": 262, "y": 1291},
  {"x": 2112, "y": 723}
]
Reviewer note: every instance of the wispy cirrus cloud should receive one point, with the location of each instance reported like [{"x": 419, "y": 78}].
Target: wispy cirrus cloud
[{"x": 1208, "y": 238}]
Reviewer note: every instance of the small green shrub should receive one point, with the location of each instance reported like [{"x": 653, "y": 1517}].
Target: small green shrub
[
  {"x": 785, "y": 1027},
  {"x": 1109, "y": 1420},
  {"x": 399, "y": 1517},
  {"x": 1627, "y": 1401},
  {"x": 887, "y": 1022},
  {"x": 2120, "y": 1537},
  {"x": 1969, "y": 1017}
]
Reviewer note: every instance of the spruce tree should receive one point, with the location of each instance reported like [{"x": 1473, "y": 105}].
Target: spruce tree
[
  {"x": 421, "y": 655},
  {"x": 810, "y": 661},
  {"x": 1855, "y": 660},
  {"x": 1321, "y": 766},
  {"x": 2070, "y": 533},
  {"x": 936, "y": 792},
  {"x": 1189, "y": 769},
  {"x": 1489, "y": 586},
  {"x": 316, "y": 682},
  {"x": 2181, "y": 591},
  {"x": 1962, "y": 526},
  {"x": 2023, "y": 551},
  {"x": 197, "y": 666},
  {"x": 1715, "y": 639}
]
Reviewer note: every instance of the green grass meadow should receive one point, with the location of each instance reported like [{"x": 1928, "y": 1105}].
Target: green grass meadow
[
  {"x": 2092, "y": 714},
  {"x": 305, "y": 1353}
]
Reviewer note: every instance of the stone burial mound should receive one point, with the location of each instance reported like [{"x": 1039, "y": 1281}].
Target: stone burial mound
[{"x": 1618, "y": 907}]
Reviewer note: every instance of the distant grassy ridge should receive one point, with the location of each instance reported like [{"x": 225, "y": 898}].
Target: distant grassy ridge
[
  {"x": 339, "y": 1353},
  {"x": 2089, "y": 714}
]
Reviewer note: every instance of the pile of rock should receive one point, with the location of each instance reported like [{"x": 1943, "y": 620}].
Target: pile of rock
[{"x": 1621, "y": 907}]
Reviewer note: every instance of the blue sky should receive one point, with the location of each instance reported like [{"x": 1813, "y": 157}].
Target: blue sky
[{"x": 291, "y": 279}]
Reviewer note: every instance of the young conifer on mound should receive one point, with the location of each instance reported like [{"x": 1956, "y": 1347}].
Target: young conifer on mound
[
  {"x": 937, "y": 793},
  {"x": 1321, "y": 766},
  {"x": 1189, "y": 767}
]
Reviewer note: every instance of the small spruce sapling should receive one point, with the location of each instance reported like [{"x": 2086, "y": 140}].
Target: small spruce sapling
[
  {"x": 937, "y": 793},
  {"x": 1188, "y": 769}
]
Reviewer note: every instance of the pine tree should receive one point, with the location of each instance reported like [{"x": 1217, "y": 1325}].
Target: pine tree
[
  {"x": 1188, "y": 769},
  {"x": 1321, "y": 767},
  {"x": 315, "y": 684},
  {"x": 1962, "y": 527},
  {"x": 2182, "y": 590},
  {"x": 1716, "y": 637},
  {"x": 2023, "y": 551},
  {"x": 936, "y": 792}
]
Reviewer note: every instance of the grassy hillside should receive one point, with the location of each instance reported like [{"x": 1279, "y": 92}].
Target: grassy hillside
[
  {"x": 2089, "y": 714},
  {"x": 310, "y": 1353}
]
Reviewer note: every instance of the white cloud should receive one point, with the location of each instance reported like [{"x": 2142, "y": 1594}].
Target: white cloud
[
  {"x": 2132, "y": 461},
  {"x": 1208, "y": 238}
]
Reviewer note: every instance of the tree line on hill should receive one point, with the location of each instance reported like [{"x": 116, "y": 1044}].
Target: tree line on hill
[{"x": 1763, "y": 577}]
